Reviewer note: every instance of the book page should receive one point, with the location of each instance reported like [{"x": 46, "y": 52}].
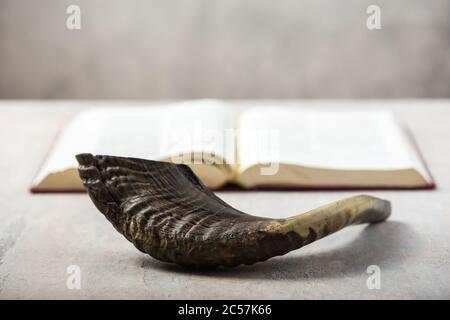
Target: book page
[
  {"x": 328, "y": 139},
  {"x": 154, "y": 133}
]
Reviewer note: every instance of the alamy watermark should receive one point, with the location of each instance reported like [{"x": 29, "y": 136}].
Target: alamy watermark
[
  {"x": 373, "y": 21},
  {"x": 73, "y": 281},
  {"x": 73, "y": 21},
  {"x": 239, "y": 147},
  {"x": 373, "y": 282}
]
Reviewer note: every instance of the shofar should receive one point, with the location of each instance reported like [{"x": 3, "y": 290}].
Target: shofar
[{"x": 167, "y": 212}]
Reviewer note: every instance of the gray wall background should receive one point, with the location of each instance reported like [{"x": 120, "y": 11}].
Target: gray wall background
[{"x": 177, "y": 49}]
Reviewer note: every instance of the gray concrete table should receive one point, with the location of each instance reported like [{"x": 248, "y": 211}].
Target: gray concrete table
[{"x": 41, "y": 235}]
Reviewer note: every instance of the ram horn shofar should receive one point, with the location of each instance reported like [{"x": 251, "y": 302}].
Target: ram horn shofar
[{"x": 168, "y": 213}]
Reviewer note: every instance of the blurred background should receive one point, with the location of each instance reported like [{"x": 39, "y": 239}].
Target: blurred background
[{"x": 185, "y": 49}]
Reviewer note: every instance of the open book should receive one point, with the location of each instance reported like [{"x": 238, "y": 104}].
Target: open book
[{"x": 265, "y": 147}]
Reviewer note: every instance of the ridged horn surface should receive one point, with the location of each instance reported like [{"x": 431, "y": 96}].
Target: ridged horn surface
[{"x": 167, "y": 212}]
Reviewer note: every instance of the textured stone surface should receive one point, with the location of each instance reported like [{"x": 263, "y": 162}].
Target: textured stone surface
[
  {"x": 225, "y": 49},
  {"x": 41, "y": 235}
]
